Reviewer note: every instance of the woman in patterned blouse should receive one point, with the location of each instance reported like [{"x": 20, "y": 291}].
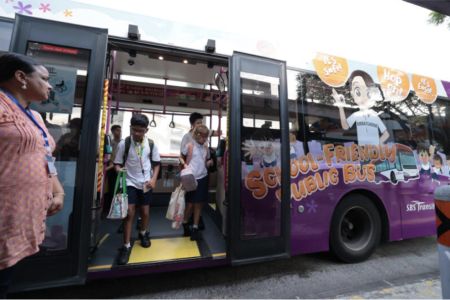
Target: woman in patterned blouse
[{"x": 29, "y": 188}]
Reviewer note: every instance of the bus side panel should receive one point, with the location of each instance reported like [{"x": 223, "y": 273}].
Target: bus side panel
[{"x": 311, "y": 215}]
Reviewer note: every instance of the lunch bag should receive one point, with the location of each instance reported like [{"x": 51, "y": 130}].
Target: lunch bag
[
  {"x": 119, "y": 205},
  {"x": 188, "y": 180}
]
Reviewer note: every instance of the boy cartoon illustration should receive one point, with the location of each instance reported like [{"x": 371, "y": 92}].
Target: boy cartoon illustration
[
  {"x": 425, "y": 156},
  {"x": 437, "y": 167},
  {"x": 262, "y": 143},
  {"x": 365, "y": 94},
  {"x": 182, "y": 95},
  {"x": 292, "y": 142}
]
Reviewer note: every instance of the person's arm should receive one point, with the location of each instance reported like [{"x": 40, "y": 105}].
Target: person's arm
[
  {"x": 58, "y": 197},
  {"x": 344, "y": 122},
  {"x": 156, "y": 160},
  {"x": 384, "y": 137},
  {"x": 118, "y": 160}
]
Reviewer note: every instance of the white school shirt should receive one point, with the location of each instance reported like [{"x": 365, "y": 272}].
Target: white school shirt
[
  {"x": 198, "y": 160},
  {"x": 135, "y": 177},
  {"x": 367, "y": 125},
  {"x": 187, "y": 138}
]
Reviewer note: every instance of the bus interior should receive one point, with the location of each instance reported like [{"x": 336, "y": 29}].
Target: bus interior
[{"x": 166, "y": 88}]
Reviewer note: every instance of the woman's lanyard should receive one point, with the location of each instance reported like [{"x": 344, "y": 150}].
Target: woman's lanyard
[
  {"x": 139, "y": 153},
  {"x": 29, "y": 114}
]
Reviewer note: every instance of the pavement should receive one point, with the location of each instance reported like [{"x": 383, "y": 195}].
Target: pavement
[{"x": 429, "y": 288}]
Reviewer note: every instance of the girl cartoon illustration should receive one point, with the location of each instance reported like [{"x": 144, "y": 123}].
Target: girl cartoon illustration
[
  {"x": 437, "y": 167},
  {"x": 425, "y": 156},
  {"x": 262, "y": 143},
  {"x": 292, "y": 142}
]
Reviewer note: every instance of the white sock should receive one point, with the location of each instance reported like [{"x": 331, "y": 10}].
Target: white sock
[
  {"x": 195, "y": 226},
  {"x": 127, "y": 245},
  {"x": 139, "y": 218},
  {"x": 143, "y": 232}
]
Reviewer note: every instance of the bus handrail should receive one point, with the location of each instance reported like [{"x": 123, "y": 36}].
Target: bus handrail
[{"x": 225, "y": 170}]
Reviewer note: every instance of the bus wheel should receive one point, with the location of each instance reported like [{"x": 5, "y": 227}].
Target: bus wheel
[
  {"x": 393, "y": 179},
  {"x": 355, "y": 229}
]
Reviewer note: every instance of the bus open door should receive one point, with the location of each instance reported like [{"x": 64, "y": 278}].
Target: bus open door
[
  {"x": 75, "y": 56},
  {"x": 259, "y": 187}
]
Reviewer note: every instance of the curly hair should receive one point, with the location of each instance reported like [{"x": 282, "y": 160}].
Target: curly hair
[{"x": 200, "y": 131}]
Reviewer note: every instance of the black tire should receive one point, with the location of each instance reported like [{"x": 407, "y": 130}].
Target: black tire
[
  {"x": 393, "y": 179},
  {"x": 355, "y": 230}
]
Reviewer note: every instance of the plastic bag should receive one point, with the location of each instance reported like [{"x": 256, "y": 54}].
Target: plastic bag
[
  {"x": 178, "y": 214},
  {"x": 173, "y": 202}
]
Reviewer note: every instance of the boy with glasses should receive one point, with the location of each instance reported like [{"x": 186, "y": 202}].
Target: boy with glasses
[{"x": 142, "y": 163}]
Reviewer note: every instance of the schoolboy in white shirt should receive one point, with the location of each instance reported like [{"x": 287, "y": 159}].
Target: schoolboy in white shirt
[{"x": 142, "y": 165}]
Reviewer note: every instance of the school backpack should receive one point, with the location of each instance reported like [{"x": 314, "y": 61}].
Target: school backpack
[{"x": 151, "y": 143}]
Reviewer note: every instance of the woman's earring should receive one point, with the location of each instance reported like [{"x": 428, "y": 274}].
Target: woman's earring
[{"x": 24, "y": 86}]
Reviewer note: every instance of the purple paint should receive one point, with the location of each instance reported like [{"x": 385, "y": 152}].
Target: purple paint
[{"x": 446, "y": 85}]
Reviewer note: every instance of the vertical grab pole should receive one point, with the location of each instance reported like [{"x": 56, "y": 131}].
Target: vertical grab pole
[
  {"x": 108, "y": 118},
  {"x": 102, "y": 137},
  {"x": 210, "y": 111},
  {"x": 220, "y": 115},
  {"x": 118, "y": 90},
  {"x": 165, "y": 94}
]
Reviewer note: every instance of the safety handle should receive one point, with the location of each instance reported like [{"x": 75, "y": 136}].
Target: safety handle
[{"x": 225, "y": 170}]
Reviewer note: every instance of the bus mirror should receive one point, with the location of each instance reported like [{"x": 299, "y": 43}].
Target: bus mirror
[{"x": 219, "y": 82}]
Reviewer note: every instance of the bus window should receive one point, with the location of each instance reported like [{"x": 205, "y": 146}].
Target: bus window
[
  {"x": 62, "y": 115},
  {"x": 408, "y": 121},
  {"x": 440, "y": 125}
]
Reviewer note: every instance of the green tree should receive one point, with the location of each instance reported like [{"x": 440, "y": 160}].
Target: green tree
[{"x": 438, "y": 19}]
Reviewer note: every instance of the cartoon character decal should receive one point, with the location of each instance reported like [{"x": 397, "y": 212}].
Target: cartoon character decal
[
  {"x": 425, "y": 154},
  {"x": 438, "y": 164},
  {"x": 365, "y": 94},
  {"x": 262, "y": 143}
]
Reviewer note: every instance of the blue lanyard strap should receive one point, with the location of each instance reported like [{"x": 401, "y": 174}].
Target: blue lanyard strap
[{"x": 30, "y": 115}]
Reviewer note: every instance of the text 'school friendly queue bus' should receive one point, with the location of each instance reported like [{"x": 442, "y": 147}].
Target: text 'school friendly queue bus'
[{"x": 331, "y": 159}]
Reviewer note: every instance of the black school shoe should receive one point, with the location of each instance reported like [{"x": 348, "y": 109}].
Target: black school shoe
[
  {"x": 201, "y": 224},
  {"x": 187, "y": 230},
  {"x": 124, "y": 255},
  {"x": 145, "y": 239},
  {"x": 195, "y": 234}
]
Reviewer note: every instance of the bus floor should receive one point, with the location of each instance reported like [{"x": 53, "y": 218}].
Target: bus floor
[{"x": 168, "y": 245}]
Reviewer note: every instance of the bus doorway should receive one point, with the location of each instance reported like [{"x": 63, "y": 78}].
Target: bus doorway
[{"x": 167, "y": 88}]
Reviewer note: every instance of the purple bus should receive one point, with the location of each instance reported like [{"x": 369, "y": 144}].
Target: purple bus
[{"x": 333, "y": 158}]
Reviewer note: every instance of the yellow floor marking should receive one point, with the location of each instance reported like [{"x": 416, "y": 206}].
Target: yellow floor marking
[
  {"x": 100, "y": 267},
  {"x": 219, "y": 254},
  {"x": 213, "y": 205},
  {"x": 103, "y": 239},
  {"x": 164, "y": 249},
  {"x": 356, "y": 297}
]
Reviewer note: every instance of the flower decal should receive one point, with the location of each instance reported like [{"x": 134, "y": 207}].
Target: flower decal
[
  {"x": 9, "y": 1},
  {"x": 44, "y": 8},
  {"x": 68, "y": 13},
  {"x": 312, "y": 206},
  {"x": 23, "y": 9}
]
